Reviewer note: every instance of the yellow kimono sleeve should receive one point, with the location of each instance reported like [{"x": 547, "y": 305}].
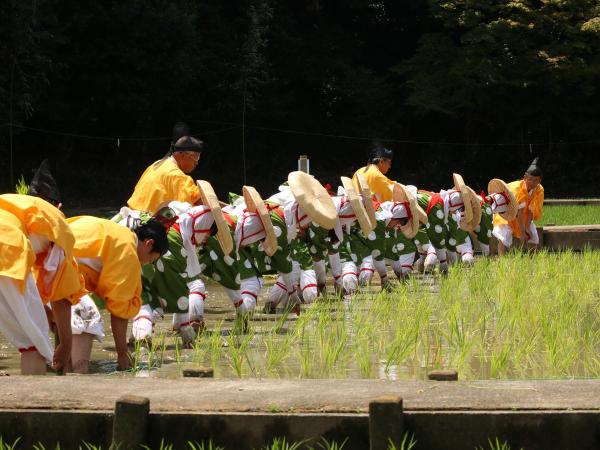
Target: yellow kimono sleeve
[
  {"x": 537, "y": 203},
  {"x": 184, "y": 189},
  {"x": 380, "y": 185},
  {"x": 16, "y": 255},
  {"x": 120, "y": 284}
]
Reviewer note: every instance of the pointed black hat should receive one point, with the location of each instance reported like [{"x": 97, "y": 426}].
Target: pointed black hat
[
  {"x": 180, "y": 129},
  {"x": 534, "y": 168},
  {"x": 43, "y": 184}
]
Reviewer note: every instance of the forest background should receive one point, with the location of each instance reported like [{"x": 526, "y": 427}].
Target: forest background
[{"x": 475, "y": 86}]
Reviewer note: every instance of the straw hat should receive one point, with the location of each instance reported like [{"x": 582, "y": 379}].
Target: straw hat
[
  {"x": 472, "y": 205},
  {"x": 255, "y": 204},
  {"x": 365, "y": 191},
  {"x": 209, "y": 198},
  {"x": 357, "y": 206},
  {"x": 313, "y": 199},
  {"x": 402, "y": 194},
  {"x": 497, "y": 186}
]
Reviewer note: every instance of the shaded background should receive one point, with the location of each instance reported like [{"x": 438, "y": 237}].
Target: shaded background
[{"x": 479, "y": 87}]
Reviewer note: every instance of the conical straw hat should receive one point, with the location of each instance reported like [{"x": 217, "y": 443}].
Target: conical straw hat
[
  {"x": 497, "y": 186},
  {"x": 255, "y": 204},
  {"x": 403, "y": 195},
  {"x": 472, "y": 205},
  {"x": 363, "y": 187},
  {"x": 313, "y": 199},
  {"x": 357, "y": 206},
  {"x": 209, "y": 198}
]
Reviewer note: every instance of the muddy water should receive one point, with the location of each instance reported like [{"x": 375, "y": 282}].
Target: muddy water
[{"x": 228, "y": 352}]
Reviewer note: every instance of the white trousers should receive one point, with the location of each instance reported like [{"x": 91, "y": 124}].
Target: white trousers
[
  {"x": 504, "y": 234},
  {"x": 23, "y": 319}
]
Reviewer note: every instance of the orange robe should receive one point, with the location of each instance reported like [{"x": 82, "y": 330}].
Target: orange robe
[
  {"x": 160, "y": 183},
  {"x": 23, "y": 215},
  {"x": 531, "y": 205},
  {"x": 119, "y": 282},
  {"x": 379, "y": 184}
]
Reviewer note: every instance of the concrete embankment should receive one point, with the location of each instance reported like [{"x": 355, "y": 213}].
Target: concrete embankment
[
  {"x": 570, "y": 237},
  {"x": 246, "y": 414}
]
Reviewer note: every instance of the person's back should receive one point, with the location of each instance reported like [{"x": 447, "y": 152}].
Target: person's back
[
  {"x": 167, "y": 180},
  {"x": 110, "y": 258},
  {"x": 380, "y": 162}
]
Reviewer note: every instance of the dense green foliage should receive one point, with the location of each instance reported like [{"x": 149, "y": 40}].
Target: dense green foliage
[{"x": 454, "y": 75}]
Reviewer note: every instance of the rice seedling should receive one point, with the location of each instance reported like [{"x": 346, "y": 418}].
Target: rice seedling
[
  {"x": 22, "y": 187},
  {"x": 407, "y": 443},
  {"x": 89, "y": 446},
  {"x": 280, "y": 443},
  {"x": 163, "y": 446},
  {"x": 204, "y": 445},
  {"x": 324, "y": 444},
  {"x": 7, "y": 446},
  {"x": 238, "y": 348},
  {"x": 496, "y": 444}
]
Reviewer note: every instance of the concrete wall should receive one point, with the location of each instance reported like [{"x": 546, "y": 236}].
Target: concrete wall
[{"x": 433, "y": 430}]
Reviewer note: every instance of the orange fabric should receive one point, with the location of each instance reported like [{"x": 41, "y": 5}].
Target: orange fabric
[
  {"x": 379, "y": 184},
  {"x": 40, "y": 217},
  {"x": 533, "y": 205},
  {"x": 119, "y": 283},
  {"x": 16, "y": 255},
  {"x": 163, "y": 182}
]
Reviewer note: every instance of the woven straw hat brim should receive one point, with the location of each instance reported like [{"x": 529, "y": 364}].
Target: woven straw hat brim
[
  {"x": 367, "y": 198},
  {"x": 313, "y": 198},
  {"x": 475, "y": 205},
  {"x": 357, "y": 206},
  {"x": 459, "y": 185},
  {"x": 403, "y": 195},
  {"x": 255, "y": 204},
  {"x": 497, "y": 186},
  {"x": 209, "y": 198}
]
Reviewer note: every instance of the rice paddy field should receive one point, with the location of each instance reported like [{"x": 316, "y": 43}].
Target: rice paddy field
[
  {"x": 570, "y": 215},
  {"x": 518, "y": 317}
]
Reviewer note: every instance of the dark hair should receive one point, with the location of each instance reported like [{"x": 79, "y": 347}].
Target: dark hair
[
  {"x": 156, "y": 231},
  {"x": 379, "y": 153},
  {"x": 188, "y": 144}
]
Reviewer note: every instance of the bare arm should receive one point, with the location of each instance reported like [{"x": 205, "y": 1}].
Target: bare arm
[
  {"x": 119, "y": 329},
  {"x": 61, "y": 311}
]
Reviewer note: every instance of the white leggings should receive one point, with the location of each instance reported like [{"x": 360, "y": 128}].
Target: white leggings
[
  {"x": 349, "y": 278},
  {"x": 302, "y": 282},
  {"x": 404, "y": 265}
]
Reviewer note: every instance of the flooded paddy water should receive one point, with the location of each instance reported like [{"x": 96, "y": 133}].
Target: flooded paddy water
[{"x": 519, "y": 317}]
